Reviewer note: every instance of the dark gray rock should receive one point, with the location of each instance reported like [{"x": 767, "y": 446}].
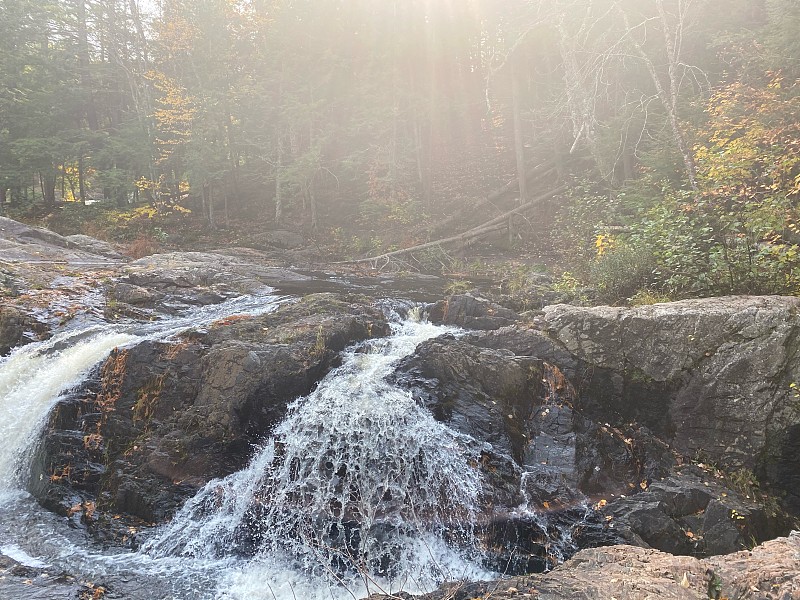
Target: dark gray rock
[
  {"x": 158, "y": 420},
  {"x": 692, "y": 513},
  {"x": 135, "y": 295},
  {"x": 714, "y": 377},
  {"x": 549, "y": 486},
  {"x": 36, "y": 583},
  {"x": 539, "y": 450},
  {"x": 484, "y": 393},
  {"x": 18, "y": 328},
  {"x": 471, "y": 313}
]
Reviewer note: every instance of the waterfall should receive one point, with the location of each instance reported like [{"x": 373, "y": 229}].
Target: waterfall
[
  {"x": 34, "y": 377},
  {"x": 360, "y": 490},
  {"x": 32, "y": 380}
]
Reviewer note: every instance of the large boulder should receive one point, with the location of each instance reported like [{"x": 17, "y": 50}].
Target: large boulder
[
  {"x": 487, "y": 394},
  {"x": 537, "y": 452},
  {"x": 496, "y": 389},
  {"x": 158, "y": 420},
  {"x": 567, "y": 419},
  {"x": 717, "y": 377},
  {"x": 471, "y": 312},
  {"x": 18, "y": 328}
]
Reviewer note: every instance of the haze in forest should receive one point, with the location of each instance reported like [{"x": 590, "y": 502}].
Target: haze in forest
[{"x": 654, "y": 138}]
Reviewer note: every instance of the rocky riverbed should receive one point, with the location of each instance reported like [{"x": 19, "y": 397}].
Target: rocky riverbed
[{"x": 674, "y": 428}]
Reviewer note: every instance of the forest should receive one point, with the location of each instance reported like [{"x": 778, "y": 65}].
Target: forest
[{"x": 640, "y": 150}]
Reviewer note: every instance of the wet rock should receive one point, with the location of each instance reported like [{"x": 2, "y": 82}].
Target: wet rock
[
  {"x": 692, "y": 513},
  {"x": 484, "y": 393},
  {"x": 135, "y": 295},
  {"x": 18, "y": 328},
  {"x": 471, "y": 312},
  {"x": 714, "y": 377},
  {"x": 160, "y": 419},
  {"x": 173, "y": 281},
  {"x": 18, "y": 580},
  {"x": 475, "y": 389},
  {"x": 521, "y": 542},
  {"x": 541, "y": 454},
  {"x": 619, "y": 459},
  {"x": 549, "y": 486}
]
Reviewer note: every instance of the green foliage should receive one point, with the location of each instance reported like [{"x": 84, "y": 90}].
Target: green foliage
[
  {"x": 621, "y": 272},
  {"x": 781, "y": 33},
  {"x": 458, "y": 286},
  {"x": 646, "y": 297},
  {"x": 701, "y": 249},
  {"x": 361, "y": 115},
  {"x": 572, "y": 287},
  {"x": 585, "y": 214},
  {"x": 737, "y": 234}
]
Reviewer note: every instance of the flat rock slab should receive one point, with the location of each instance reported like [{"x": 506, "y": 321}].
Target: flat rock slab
[
  {"x": 25, "y": 245},
  {"x": 768, "y": 572}
]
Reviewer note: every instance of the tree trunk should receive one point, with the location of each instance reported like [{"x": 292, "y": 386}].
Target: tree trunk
[
  {"x": 141, "y": 44},
  {"x": 669, "y": 100},
  {"x": 672, "y": 65},
  {"x": 83, "y": 64},
  {"x": 308, "y": 194},
  {"x": 279, "y": 184},
  {"x": 519, "y": 145},
  {"x": 81, "y": 181},
  {"x": 204, "y": 200},
  {"x": 225, "y": 206},
  {"x": 519, "y": 142},
  {"x": 211, "y": 207},
  {"x": 48, "y": 183},
  {"x": 422, "y": 158}
]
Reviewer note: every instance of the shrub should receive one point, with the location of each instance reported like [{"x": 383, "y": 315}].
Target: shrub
[
  {"x": 703, "y": 247},
  {"x": 621, "y": 271}
]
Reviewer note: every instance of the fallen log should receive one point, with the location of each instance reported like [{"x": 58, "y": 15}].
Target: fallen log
[
  {"x": 495, "y": 224},
  {"x": 533, "y": 176}
]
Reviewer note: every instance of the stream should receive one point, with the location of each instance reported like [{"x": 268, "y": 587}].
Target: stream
[{"x": 358, "y": 491}]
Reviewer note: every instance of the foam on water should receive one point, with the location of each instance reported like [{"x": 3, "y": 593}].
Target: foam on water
[
  {"x": 22, "y": 557},
  {"x": 359, "y": 490},
  {"x": 31, "y": 382},
  {"x": 34, "y": 377}
]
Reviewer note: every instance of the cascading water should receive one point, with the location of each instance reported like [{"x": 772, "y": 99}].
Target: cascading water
[
  {"x": 360, "y": 490},
  {"x": 32, "y": 380},
  {"x": 34, "y": 377}
]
